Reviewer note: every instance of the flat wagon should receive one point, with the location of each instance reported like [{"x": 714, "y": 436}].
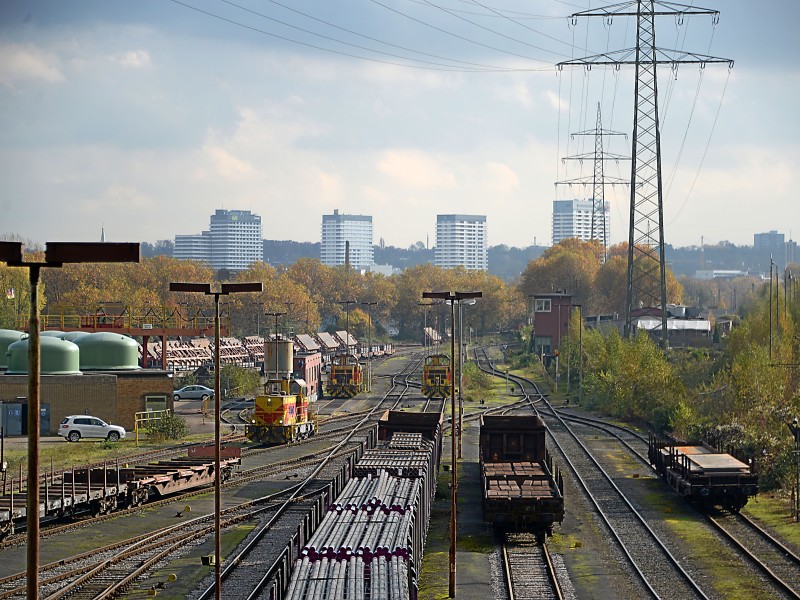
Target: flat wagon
[
  {"x": 100, "y": 490},
  {"x": 701, "y": 474}
]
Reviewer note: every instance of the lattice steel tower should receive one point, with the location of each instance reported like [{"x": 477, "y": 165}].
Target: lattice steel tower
[
  {"x": 598, "y": 178},
  {"x": 646, "y": 266}
]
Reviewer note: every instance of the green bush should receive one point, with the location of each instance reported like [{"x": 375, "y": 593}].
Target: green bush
[{"x": 169, "y": 427}]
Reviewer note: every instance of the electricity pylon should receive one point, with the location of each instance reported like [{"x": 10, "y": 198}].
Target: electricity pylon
[
  {"x": 598, "y": 179},
  {"x": 647, "y": 284}
]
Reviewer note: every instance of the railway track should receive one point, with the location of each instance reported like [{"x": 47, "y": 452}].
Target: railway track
[
  {"x": 658, "y": 570},
  {"x": 770, "y": 557},
  {"x": 528, "y": 569},
  {"x": 249, "y": 581}
]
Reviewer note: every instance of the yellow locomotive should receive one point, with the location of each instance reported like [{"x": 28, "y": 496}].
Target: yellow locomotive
[
  {"x": 346, "y": 378},
  {"x": 437, "y": 376},
  {"x": 282, "y": 414}
]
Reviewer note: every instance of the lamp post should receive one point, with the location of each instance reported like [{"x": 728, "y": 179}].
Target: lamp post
[
  {"x": 225, "y": 289},
  {"x": 461, "y": 356},
  {"x": 289, "y": 306},
  {"x": 346, "y": 304},
  {"x": 276, "y": 315},
  {"x": 795, "y": 429},
  {"x": 56, "y": 254},
  {"x": 453, "y": 298},
  {"x": 369, "y": 306},
  {"x": 426, "y": 307}
]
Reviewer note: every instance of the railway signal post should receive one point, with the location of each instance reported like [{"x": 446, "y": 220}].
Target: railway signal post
[{"x": 795, "y": 429}]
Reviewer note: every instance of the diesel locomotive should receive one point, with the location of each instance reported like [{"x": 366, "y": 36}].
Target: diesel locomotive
[
  {"x": 283, "y": 413},
  {"x": 437, "y": 376},
  {"x": 346, "y": 378}
]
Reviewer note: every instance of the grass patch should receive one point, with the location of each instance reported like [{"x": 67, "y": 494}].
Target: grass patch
[
  {"x": 701, "y": 547},
  {"x": 775, "y": 512},
  {"x": 185, "y": 567}
]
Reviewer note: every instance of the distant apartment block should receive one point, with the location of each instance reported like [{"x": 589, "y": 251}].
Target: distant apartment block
[
  {"x": 573, "y": 219},
  {"x": 233, "y": 241},
  {"x": 773, "y": 246},
  {"x": 342, "y": 231},
  {"x": 461, "y": 241}
]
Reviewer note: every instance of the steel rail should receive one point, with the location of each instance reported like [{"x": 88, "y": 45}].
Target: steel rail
[
  {"x": 255, "y": 539},
  {"x": 679, "y": 568}
]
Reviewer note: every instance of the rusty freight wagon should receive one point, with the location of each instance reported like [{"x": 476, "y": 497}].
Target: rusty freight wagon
[
  {"x": 701, "y": 474},
  {"x": 522, "y": 490},
  {"x": 99, "y": 490}
]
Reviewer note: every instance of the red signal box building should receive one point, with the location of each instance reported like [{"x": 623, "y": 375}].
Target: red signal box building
[{"x": 550, "y": 320}]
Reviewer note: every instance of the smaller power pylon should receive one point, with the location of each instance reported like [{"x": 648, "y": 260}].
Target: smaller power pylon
[{"x": 598, "y": 179}]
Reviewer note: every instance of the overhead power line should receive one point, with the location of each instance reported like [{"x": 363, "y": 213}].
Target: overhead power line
[{"x": 646, "y": 280}]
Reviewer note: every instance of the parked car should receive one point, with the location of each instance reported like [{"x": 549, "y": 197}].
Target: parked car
[
  {"x": 75, "y": 427},
  {"x": 193, "y": 392}
]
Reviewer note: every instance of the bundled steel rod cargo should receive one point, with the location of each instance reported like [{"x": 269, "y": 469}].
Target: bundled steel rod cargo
[
  {"x": 522, "y": 490},
  {"x": 369, "y": 544}
]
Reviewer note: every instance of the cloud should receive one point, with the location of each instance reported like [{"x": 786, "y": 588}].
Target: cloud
[
  {"x": 28, "y": 63},
  {"x": 555, "y": 101},
  {"x": 501, "y": 178},
  {"x": 517, "y": 93},
  {"x": 117, "y": 196},
  {"x": 225, "y": 164},
  {"x": 415, "y": 169},
  {"x": 136, "y": 59}
]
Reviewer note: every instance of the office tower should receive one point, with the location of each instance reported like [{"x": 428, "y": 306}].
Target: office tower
[{"x": 461, "y": 241}]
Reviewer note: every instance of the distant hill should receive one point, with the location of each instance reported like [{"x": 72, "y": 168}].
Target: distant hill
[{"x": 287, "y": 252}]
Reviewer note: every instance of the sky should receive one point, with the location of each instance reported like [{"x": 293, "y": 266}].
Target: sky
[{"x": 145, "y": 117}]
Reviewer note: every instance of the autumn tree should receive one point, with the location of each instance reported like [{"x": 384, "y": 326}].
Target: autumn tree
[{"x": 569, "y": 266}]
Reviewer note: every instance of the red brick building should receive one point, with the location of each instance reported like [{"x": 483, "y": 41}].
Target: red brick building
[
  {"x": 112, "y": 396},
  {"x": 551, "y": 314}
]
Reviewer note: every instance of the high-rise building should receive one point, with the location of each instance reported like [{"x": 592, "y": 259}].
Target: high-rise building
[
  {"x": 193, "y": 247},
  {"x": 573, "y": 219},
  {"x": 232, "y": 243},
  {"x": 337, "y": 231},
  {"x": 461, "y": 242}
]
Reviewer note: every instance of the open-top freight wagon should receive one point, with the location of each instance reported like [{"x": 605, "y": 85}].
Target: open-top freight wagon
[
  {"x": 522, "y": 489},
  {"x": 370, "y": 542},
  {"x": 702, "y": 474}
]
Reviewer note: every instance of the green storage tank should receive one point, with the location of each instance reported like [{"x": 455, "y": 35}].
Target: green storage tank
[
  {"x": 7, "y": 337},
  {"x": 106, "y": 351},
  {"x": 58, "y": 357},
  {"x": 71, "y": 336},
  {"x": 51, "y": 333}
]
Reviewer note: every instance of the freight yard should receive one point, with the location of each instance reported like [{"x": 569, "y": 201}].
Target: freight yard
[{"x": 372, "y": 522}]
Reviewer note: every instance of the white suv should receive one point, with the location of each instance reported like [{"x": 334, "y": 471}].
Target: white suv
[{"x": 75, "y": 427}]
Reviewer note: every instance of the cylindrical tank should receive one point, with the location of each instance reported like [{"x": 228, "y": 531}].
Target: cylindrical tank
[
  {"x": 285, "y": 349},
  {"x": 106, "y": 351},
  {"x": 7, "y": 337},
  {"x": 71, "y": 336},
  {"x": 51, "y": 333},
  {"x": 58, "y": 357}
]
